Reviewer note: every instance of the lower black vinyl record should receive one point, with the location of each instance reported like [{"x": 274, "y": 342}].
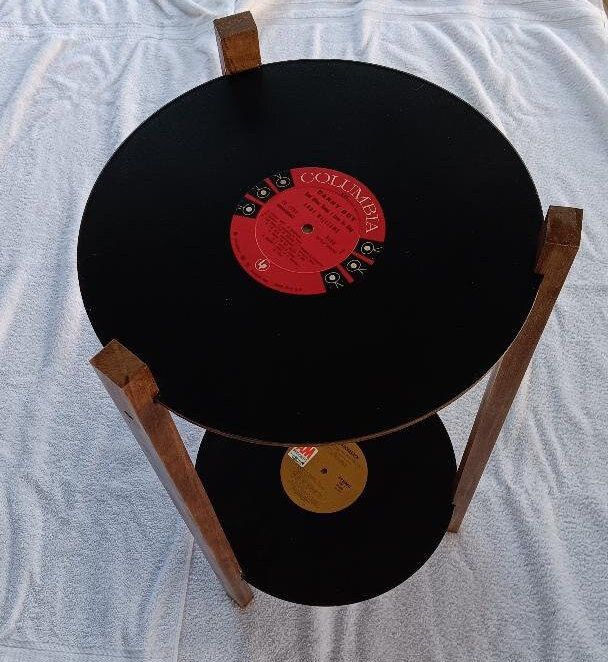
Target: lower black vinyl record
[
  {"x": 337, "y": 524},
  {"x": 312, "y": 251}
]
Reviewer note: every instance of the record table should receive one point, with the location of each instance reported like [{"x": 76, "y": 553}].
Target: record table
[{"x": 309, "y": 259}]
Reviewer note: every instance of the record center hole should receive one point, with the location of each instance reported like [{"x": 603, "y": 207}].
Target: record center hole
[
  {"x": 324, "y": 470},
  {"x": 307, "y": 228}
]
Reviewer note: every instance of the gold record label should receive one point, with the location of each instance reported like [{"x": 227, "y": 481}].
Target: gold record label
[{"x": 324, "y": 479}]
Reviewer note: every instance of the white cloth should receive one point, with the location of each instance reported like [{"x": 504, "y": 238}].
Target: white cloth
[{"x": 94, "y": 560}]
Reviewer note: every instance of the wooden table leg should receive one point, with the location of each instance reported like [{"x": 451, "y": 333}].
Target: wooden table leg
[
  {"x": 133, "y": 389},
  {"x": 558, "y": 244},
  {"x": 237, "y": 42}
]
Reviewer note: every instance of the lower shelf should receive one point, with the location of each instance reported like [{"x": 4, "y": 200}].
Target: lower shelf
[{"x": 335, "y": 524}]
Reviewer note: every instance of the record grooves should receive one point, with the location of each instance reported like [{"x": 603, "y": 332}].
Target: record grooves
[{"x": 398, "y": 511}]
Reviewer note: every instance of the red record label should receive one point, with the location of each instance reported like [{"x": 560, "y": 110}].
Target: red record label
[{"x": 307, "y": 231}]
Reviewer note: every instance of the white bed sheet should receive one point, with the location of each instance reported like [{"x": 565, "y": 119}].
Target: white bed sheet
[{"x": 95, "y": 564}]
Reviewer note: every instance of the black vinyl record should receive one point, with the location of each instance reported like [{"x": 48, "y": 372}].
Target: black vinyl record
[
  {"x": 394, "y": 495},
  {"x": 312, "y": 251}
]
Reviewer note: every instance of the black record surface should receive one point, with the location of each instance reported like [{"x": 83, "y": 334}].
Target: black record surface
[
  {"x": 440, "y": 306},
  {"x": 355, "y": 554}
]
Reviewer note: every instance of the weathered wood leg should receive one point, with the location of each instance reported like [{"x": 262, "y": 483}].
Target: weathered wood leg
[
  {"x": 558, "y": 244},
  {"x": 237, "y": 42},
  {"x": 133, "y": 389}
]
